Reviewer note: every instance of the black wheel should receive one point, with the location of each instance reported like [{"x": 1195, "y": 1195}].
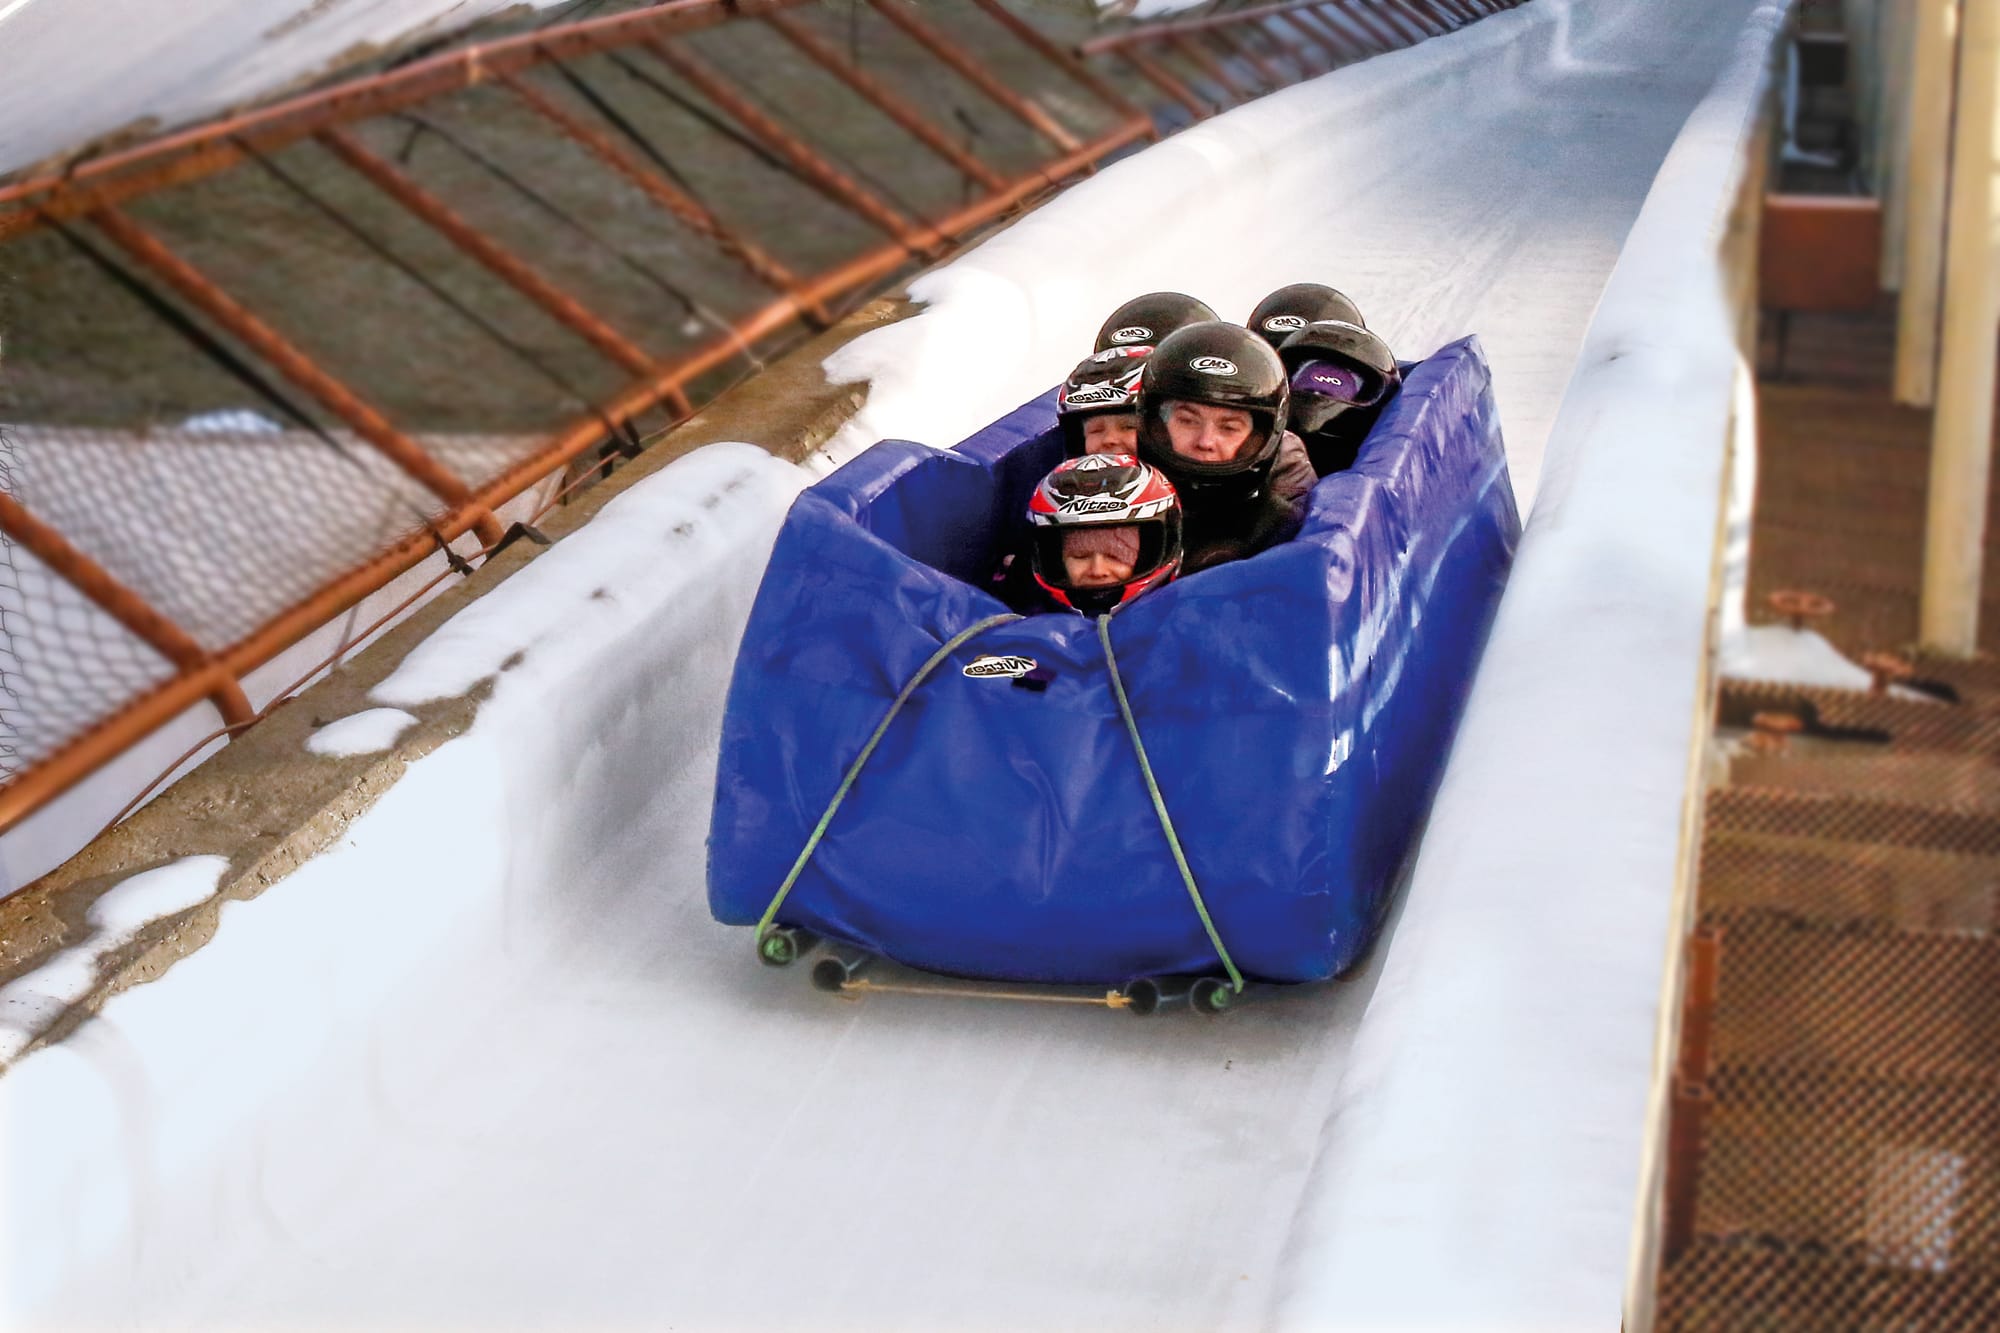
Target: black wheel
[
  {"x": 781, "y": 946},
  {"x": 1211, "y": 996},
  {"x": 833, "y": 972},
  {"x": 1147, "y": 995}
]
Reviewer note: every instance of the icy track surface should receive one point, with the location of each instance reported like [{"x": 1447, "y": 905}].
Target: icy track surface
[{"x": 488, "y": 1064}]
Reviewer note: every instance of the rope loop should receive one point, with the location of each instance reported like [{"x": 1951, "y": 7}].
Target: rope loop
[
  {"x": 945, "y": 650},
  {"x": 1160, "y": 806}
]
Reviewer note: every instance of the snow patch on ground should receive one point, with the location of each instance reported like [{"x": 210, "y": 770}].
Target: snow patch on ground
[
  {"x": 369, "y": 732},
  {"x": 29, "y": 1002}
]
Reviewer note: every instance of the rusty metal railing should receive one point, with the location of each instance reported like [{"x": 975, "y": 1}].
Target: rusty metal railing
[
  {"x": 344, "y": 137},
  {"x": 1219, "y": 60}
]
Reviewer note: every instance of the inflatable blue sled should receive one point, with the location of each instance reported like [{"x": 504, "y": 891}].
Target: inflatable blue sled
[{"x": 1295, "y": 708}]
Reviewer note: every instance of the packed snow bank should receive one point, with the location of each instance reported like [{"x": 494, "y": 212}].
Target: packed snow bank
[
  {"x": 73, "y": 71},
  {"x": 1526, "y": 975}
]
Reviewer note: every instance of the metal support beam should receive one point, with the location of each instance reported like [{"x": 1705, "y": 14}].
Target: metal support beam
[
  {"x": 1034, "y": 39},
  {"x": 1934, "y": 42},
  {"x": 884, "y": 99},
  {"x": 1234, "y": 48},
  {"x": 1167, "y": 83},
  {"x": 197, "y": 290},
  {"x": 516, "y": 272},
  {"x": 951, "y": 53},
  {"x": 1211, "y": 68},
  {"x": 814, "y": 169},
  {"x": 1962, "y": 430},
  {"x": 691, "y": 212}
]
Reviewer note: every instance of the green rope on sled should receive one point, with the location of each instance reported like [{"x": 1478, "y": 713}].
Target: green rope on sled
[
  {"x": 1160, "y": 806},
  {"x": 949, "y": 646}
]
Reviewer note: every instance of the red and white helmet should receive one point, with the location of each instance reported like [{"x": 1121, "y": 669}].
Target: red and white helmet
[{"x": 1112, "y": 501}]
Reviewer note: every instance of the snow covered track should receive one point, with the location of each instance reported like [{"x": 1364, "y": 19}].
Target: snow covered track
[{"x": 489, "y": 1064}]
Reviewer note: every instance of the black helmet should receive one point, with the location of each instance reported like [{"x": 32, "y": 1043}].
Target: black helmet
[
  {"x": 1103, "y": 383},
  {"x": 1289, "y": 309},
  {"x": 1107, "y": 495},
  {"x": 1337, "y": 369},
  {"x": 1221, "y": 365},
  {"x": 1149, "y": 318}
]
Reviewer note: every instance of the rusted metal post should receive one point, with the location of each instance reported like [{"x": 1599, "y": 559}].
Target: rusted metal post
[
  {"x": 1074, "y": 67},
  {"x": 509, "y": 268},
  {"x": 1166, "y": 82},
  {"x": 691, "y": 212},
  {"x": 125, "y": 606},
  {"x": 1234, "y": 47},
  {"x": 1258, "y": 43},
  {"x": 197, "y": 290},
  {"x": 823, "y": 175},
  {"x": 885, "y": 100},
  {"x": 948, "y": 51},
  {"x": 1323, "y": 33},
  {"x": 1210, "y": 67},
  {"x": 1360, "y": 16},
  {"x": 1692, "y": 1104}
]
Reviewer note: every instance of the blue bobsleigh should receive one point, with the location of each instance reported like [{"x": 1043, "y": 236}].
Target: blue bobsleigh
[{"x": 1296, "y": 709}]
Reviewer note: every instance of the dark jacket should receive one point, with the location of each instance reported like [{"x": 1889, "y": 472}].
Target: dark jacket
[{"x": 1233, "y": 519}]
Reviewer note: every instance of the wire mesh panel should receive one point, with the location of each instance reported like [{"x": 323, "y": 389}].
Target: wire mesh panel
[{"x": 64, "y": 664}]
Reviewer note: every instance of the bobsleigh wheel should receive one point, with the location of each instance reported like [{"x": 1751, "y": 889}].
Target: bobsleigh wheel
[
  {"x": 1212, "y": 996},
  {"x": 781, "y": 946},
  {"x": 1146, "y": 995},
  {"x": 833, "y": 972}
]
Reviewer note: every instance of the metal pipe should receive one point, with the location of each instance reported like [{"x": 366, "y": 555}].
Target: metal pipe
[
  {"x": 490, "y": 254},
  {"x": 1067, "y": 59},
  {"x": 203, "y": 150},
  {"x": 1167, "y": 83},
  {"x": 656, "y": 186},
  {"x": 1209, "y": 66},
  {"x": 816, "y": 170},
  {"x": 195, "y": 288},
  {"x": 1233, "y": 48},
  {"x": 133, "y": 612},
  {"x": 1323, "y": 33},
  {"x": 931, "y": 39},
  {"x": 883, "y": 99}
]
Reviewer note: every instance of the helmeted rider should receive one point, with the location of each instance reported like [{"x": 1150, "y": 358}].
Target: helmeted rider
[
  {"x": 1144, "y": 320},
  {"x": 1095, "y": 404},
  {"x": 1103, "y": 528},
  {"x": 1342, "y": 376},
  {"x": 1290, "y": 308},
  {"x": 1213, "y": 403}
]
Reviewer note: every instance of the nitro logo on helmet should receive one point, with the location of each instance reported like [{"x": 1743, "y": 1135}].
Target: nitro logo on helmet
[
  {"x": 1092, "y": 504},
  {"x": 1213, "y": 365},
  {"x": 1091, "y": 394},
  {"x": 988, "y": 666},
  {"x": 1285, "y": 323},
  {"x": 1133, "y": 333}
]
